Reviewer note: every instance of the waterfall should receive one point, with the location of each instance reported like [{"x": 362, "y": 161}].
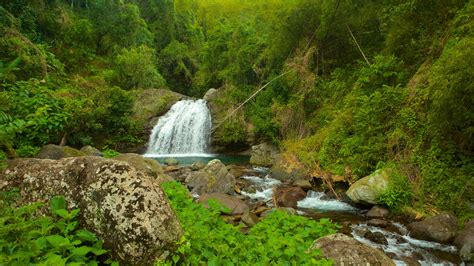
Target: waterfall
[{"x": 185, "y": 129}]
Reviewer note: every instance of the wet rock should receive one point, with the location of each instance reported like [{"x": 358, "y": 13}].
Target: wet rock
[
  {"x": 123, "y": 206},
  {"x": 249, "y": 218},
  {"x": 440, "y": 228},
  {"x": 236, "y": 206},
  {"x": 91, "y": 151},
  {"x": 377, "y": 212},
  {"x": 289, "y": 196},
  {"x": 213, "y": 178},
  {"x": 344, "y": 250},
  {"x": 303, "y": 183},
  {"x": 465, "y": 242},
  {"x": 376, "y": 237},
  {"x": 288, "y": 168},
  {"x": 263, "y": 154},
  {"x": 56, "y": 152},
  {"x": 237, "y": 170},
  {"x": 369, "y": 189},
  {"x": 378, "y": 223},
  {"x": 171, "y": 168},
  {"x": 149, "y": 166},
  {"x": 171, "y": 162}
]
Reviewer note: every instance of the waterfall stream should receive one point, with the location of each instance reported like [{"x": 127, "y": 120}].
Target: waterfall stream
[{"x": 184, "y": 130}]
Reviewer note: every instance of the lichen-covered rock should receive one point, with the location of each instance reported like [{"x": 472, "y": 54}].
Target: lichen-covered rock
[
  {"x": 56, "y": 152},
  {"x": 236, "y": 206},
  {"x": 123, "y": 206},
  {"x": 210, "y": 94},
  {"x": 215, "y": 177},
  {"x": 263, "y": 155},
  {"x": 91, "y": 151},
  {"x": 369, "y": 189},
  {"x": 147, "y": 165},
  {"x": 345, "y": 250},
  {"x": 440, "y": 228},
  {"x": 465, "y": 242}
]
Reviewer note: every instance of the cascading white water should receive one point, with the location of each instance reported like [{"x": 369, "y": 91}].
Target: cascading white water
[{"x": 185, "y": 129}]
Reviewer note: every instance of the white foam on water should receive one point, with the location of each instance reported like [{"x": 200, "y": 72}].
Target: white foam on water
[
  {"x": 403, "y": 245},
  {"x": 313, "y": 201}
]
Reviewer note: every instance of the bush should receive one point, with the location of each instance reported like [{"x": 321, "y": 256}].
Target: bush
[
  {"x": 209, "y": 239},
  {"x": 399, "y": 192},
  {"x": 28, "y": 238}
]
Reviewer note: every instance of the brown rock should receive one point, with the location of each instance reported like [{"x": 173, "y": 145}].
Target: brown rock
[
  {"x": 344, "y": 250},
  {"x": 440, "y": 228},
  {"x": 289, "y": 196},
  {"x": 213, "y": 178},
  {"x": 235, "y": 205},
  {"x": 377, "y": 212},
  {"x": 303, "y": 183},
  {"x": 249, "y": 218},
  {"x": 378, "y": 223},
  {"x": 376, "y": 237}
]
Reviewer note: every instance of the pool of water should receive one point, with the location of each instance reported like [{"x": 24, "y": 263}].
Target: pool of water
[{"x": 188, "y": 159}]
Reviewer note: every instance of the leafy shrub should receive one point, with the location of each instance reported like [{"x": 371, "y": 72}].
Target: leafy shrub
[
  {"x": 399, "y": 192},
  {"x": 28, "y": 238},
  {"x": 209, "y": 239},
  {"x": 109, "y": 153}
]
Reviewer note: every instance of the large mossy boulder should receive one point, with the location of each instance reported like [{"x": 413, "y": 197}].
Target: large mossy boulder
[
  {"x": 56, "y": 152},
  {"x": 214, "y": 178},
  {"x": 345, "y": 250},
  {"x": 123, "y": 206},
  {"x": 263, "y": 154},
  {"x": 440, "y": 228},
  {"x": 147, "y": 165},
  {"x": 369, "y": 189}
]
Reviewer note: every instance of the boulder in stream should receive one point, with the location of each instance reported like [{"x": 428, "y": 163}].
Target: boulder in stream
[
  {"x": 215, "y": 177},
  {"x": 120, "y": 204},
  {"x": 441, "y": 228},
  {"x": 235, "y": 205},
  {"x": 345, "y": 250},
  {"x": 465, "y": 242},
  {"x": 289, "y": 196},
  {"x": 56, "y": 152},
  {"x": 369, "y": 189},
  {"x": 263, "y": 154},
  {"x": 377, "y": 212}
]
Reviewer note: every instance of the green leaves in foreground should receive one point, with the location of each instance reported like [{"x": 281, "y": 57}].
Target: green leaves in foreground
[
  {"x": 281, "y": 238},
  {"x": 28, "y": 238}
]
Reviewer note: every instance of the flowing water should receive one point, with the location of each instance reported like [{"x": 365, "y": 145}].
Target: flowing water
[
  {"x": 185, "y": 129},
  {"x": 403, "y": 249}
]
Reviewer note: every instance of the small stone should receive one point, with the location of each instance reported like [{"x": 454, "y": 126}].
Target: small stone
[
  {"x": 171, "y": 162},
  {"x": 249, "y": 218},
  {"x": 376, "y": 237},
  {"x": 303, "y": 183}
]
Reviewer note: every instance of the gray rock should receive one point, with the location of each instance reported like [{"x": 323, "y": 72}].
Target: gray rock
[
  {"x": 197, "y": 166},
  {"x": 465, "y": 242},
  {"x": 344, "y": 250},
  {"x": 377, "y": 212},
  {"x": 369, "y": 189},
  {"x": 146, "y": 165},
  {"x": 56, "y": 152},
  {"x": 213, "y": 178},
  {"x": 210, "y": 94},
  {"x": 440, "y": 228},
  {"x": 91, "y": 151},
  {"x": 121, "y": 205},
  {"x": 263, "y": 155},
  {"x": 235, "y": 205}
]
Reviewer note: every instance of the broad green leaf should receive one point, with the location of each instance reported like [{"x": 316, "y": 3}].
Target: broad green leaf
[
  {"x": 58, "y": 203},
  {"x": 57, "y": 240},
  {"x": 86, "y": 235}
]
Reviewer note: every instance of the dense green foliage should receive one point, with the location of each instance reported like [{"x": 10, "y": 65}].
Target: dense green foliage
[
  {"x": 27, "y": 238},
  {"x": 69, "y": 70},
  {"x": 281, "y": 238}
]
